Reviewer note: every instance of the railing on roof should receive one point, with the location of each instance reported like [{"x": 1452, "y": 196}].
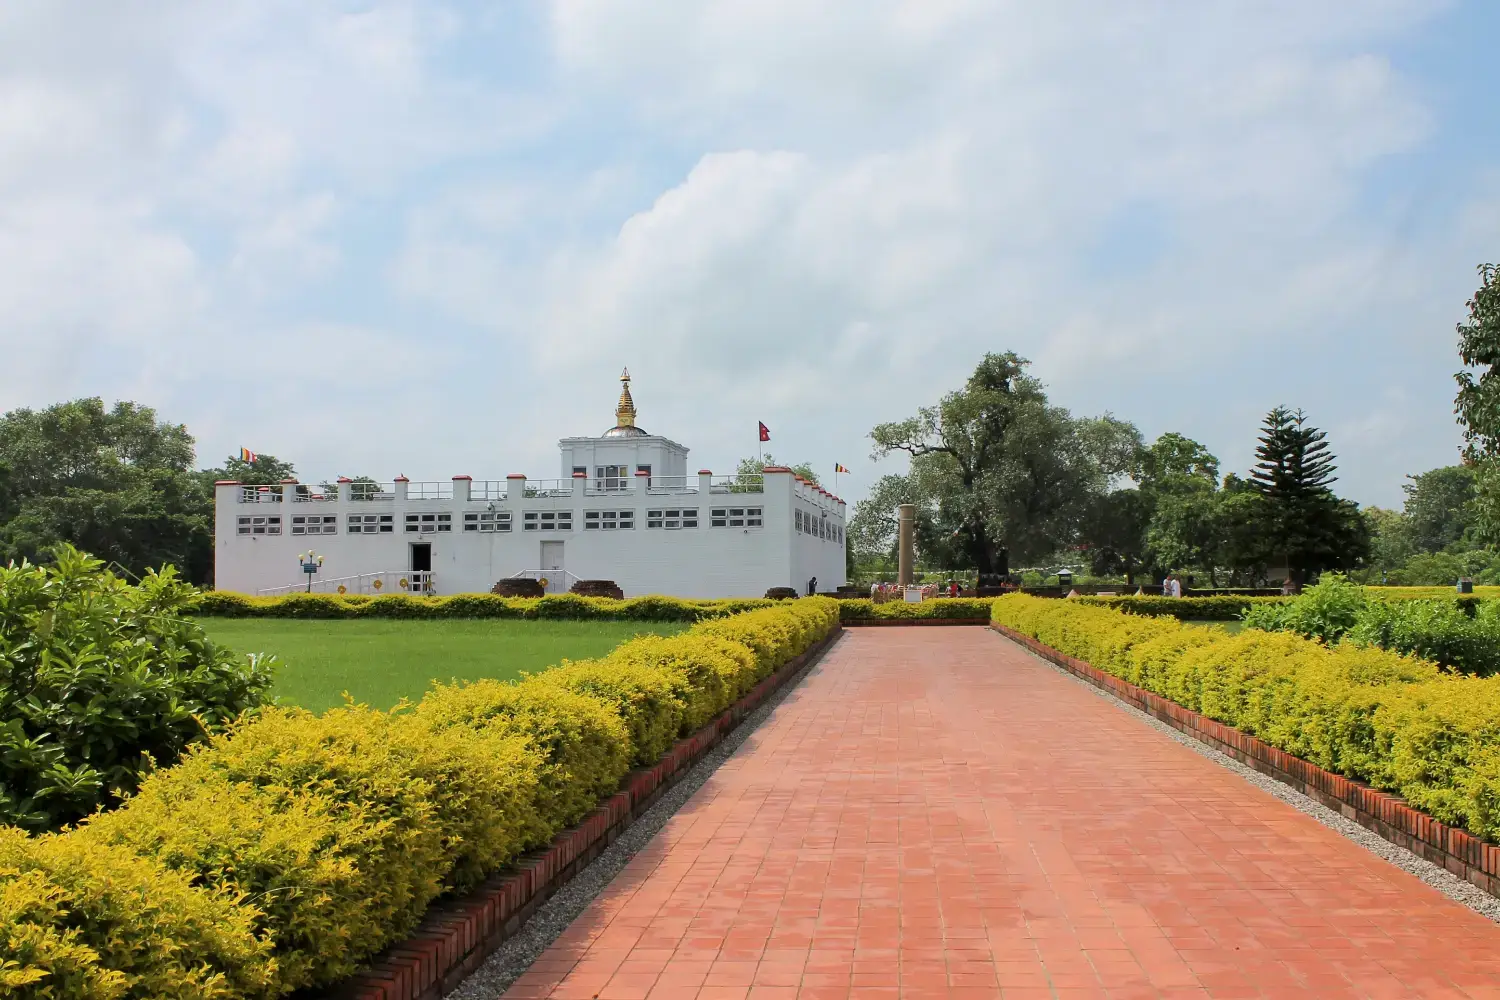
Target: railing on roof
[
  {"x": 260, "y": 494},
  {"x": 737, "y": 484},
  {"x": 429, "y": 491},
  {"x": 549, "y": 487},
  {"x": 489, "y": 489},
  {"x": 327, "y": 493},
  {"x": 609, "y": 485},
  {"x": 672, "y": 484},
  {"x": 364, "y": 492}
]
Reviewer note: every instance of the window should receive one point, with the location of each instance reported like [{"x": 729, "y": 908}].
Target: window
[
  {"x": 647, "y": 470},
  {"x": 608, "y": 520},
  {"x": 487, "y": 520},
  {"x": 548, "y": 520},
  {"x": 370, "y": 524},
  {"x": 680, "y": 517},
  {"x": 580, "y": 470},
  {"x": 611, "y": 477},
  {"x": 734, "y": 517},
  {"x": 425, "y": 523},
  {"x": 798, "y": 519},
  {"x": 259, "y": 526},
  {"x": 313, "y": 524}
]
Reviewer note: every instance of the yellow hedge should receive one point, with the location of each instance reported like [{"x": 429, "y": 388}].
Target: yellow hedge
[
  {"x": 284, "y": 853},
  {"x": 80, "y": 920},
  {"x": 1397, "y": 722}
]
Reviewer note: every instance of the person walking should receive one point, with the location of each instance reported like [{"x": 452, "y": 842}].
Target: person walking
[{"x": 1176, "y": 586}]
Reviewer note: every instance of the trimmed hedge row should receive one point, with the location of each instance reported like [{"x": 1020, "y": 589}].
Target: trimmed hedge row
[
  {"x": 1394, "y": 721},
  {"x": 284, "y": 853},
  {"x": 224, "y": 604},
  {"x": 1218, "y": 608},
  {"x": 862, "y": 608}
]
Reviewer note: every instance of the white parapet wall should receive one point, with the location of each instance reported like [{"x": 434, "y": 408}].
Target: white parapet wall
[{"x": 681, "y": 535}]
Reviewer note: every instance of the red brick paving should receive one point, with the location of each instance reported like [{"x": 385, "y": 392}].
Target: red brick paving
[{"x": 933, "y": 813}]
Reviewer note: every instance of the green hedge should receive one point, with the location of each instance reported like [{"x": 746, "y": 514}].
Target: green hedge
[
  {"x": 224, "y": 604},
  {"x": 1395, "y": 721},
  {"x": 283, "y": 854},
  {"x": 862, "y": 609},
  {"x": 1219, "y": 608}
]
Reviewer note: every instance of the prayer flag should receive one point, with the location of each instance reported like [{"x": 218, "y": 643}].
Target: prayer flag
[
  {"x": 246, "y": 455},
  {"x": 839, "y": 468}
]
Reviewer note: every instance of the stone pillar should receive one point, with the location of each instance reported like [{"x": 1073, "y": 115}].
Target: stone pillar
[{"x": 907, "y": 524}]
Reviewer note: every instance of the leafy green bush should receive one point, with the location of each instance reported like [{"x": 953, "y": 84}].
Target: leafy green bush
[
  {"x": 98, "y": 680},
  {"x": 1459, "y": 633},
  {"x": 1326, "y": 610},
  {"x": 1218, "y": 608}
]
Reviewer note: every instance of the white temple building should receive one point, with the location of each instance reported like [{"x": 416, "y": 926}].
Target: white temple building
[{"x": 625, "y": 509}]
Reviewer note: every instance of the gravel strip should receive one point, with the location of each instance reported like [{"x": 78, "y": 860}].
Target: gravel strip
[
  {"x": 1438, "y": 877},
  {"x": 515, "y": 954}
]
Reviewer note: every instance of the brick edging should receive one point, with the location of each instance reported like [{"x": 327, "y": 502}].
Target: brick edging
[
  {"x": 457, "y": 935},
  {"x": 899, "y": 622},
  {"x": 1384, "y": 813}
]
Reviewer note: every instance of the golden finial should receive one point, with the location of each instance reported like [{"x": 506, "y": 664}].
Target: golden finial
[{"x": 625, "y": 412}]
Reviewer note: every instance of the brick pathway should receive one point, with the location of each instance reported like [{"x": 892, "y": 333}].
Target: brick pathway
[{"x": 933, "y": 813}]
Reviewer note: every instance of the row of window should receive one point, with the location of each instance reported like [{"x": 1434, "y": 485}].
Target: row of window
[
  {"x": 544, "y": 520},
  {"x": 818, "y": 527}
]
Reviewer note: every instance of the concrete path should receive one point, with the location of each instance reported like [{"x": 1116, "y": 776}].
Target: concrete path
[{"x": 935, "y": 813}]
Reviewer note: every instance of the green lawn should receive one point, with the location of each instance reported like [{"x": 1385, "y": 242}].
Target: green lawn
[{"x": 381, "y": 662}]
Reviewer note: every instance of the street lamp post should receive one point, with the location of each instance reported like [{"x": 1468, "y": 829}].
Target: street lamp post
[{"x": 310, "y": 561}]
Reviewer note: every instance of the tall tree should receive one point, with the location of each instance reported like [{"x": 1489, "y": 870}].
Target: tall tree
[
  {"x": 1439, "y": 508},
  {"x": 999, "y": 471},
  {"x": 1478, "y": 402},
  {"x": 1305, "y": 524}
]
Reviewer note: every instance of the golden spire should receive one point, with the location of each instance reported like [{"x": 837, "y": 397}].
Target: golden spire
[{"x": 625, "y": 412}]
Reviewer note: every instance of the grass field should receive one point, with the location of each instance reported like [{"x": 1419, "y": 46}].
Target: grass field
[{"x": 381, "y": 662}]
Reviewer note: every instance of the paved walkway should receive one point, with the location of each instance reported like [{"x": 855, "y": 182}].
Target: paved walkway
[{"x": 934, "y": 813}]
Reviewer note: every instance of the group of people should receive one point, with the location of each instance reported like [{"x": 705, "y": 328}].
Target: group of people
[{"x": 1171, "y": 586}]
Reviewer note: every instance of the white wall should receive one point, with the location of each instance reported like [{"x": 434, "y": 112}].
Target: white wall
[{"x": 694, "y": 562}]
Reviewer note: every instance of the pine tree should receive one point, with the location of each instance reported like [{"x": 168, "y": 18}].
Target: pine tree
[{"x": 1304, "y": 522}]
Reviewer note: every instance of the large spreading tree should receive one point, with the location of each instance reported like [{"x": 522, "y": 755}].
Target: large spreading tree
[
  {"x": 117, "y": 482},
  {"x": 997, "y": 472}
]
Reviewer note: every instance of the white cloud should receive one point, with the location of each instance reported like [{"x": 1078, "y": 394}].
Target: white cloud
[{"x": 814, "y": 214}]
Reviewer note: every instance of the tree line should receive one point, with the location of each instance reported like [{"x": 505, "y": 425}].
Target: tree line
[{"x": 1002, "y": 478}]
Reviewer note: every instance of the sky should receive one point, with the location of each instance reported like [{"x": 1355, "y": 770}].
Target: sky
[{"x": 424, "y": 238}]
